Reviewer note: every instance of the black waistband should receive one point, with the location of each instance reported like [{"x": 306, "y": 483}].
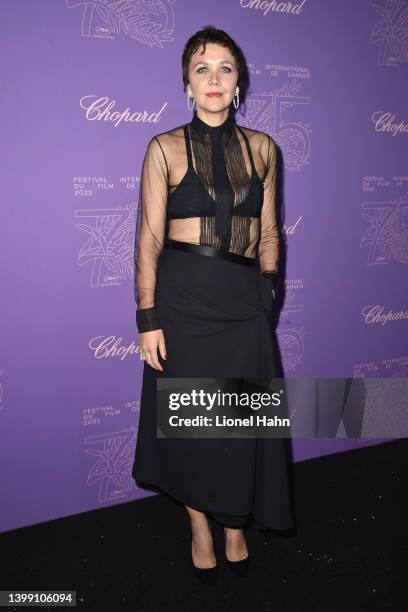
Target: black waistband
[{"x": 209, "y": 251}]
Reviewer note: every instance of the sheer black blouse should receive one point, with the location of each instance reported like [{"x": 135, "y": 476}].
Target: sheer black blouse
[{"x": 205, "y": 185}]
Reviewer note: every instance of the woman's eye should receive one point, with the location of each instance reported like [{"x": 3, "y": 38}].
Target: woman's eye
[{"x": 204, "y": 68}]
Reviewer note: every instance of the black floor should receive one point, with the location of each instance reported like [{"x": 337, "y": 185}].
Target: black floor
[{"x": 348, "y": 552}]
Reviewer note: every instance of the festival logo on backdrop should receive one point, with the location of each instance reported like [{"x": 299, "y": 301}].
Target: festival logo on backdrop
[
  {"x": 150, "y": 22},
  {"x": 107, "y": 251},
  {"x": 291, "y": 344},
  {"x": 386, "y": 234},
  {"x": 390, "y": 32},
  {"x": 275, "y": 113},
  {"x": 112, "y": 456}
]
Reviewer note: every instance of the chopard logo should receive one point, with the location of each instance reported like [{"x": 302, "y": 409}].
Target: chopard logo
[
  {"x": 376, "y": 314},
  {"x": 110, "y": 346},
  {"x": 275, "y": 6},
  {"x": 291, "y": 229},
  {"x": 100, "y": 109},
  {"x": 385, "y": 122}
]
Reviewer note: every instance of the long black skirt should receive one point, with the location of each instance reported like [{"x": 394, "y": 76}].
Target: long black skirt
[{"x": 214, "y": 314}]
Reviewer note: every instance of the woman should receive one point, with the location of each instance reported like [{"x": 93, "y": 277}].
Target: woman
[{"x": 206, "y": 258}]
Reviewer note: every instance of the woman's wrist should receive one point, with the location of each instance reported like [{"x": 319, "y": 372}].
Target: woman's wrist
[{"x": 273, "y": 280}]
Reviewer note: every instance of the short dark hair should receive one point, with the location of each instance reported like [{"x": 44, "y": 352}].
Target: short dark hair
[{"x": 210, "y": 34}]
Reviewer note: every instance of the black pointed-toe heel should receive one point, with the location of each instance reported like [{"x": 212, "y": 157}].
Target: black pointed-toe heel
[
  {"x": 207, "y": 575},
  {"x": 239, "y": 568}
]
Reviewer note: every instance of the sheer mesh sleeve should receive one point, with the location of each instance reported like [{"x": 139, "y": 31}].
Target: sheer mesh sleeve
[
  {"x": 269, "y": 238},
  {"x": 150, "y": 232}
]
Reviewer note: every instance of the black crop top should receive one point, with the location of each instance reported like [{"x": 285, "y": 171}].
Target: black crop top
[
  {"x": 192, "y": 198},
  {"x": 202, "y": 184}
]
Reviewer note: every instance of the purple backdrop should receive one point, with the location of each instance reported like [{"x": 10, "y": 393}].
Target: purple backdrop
[{"x": 84, "y": 88}]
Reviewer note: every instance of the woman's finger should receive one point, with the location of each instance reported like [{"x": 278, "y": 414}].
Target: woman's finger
[
  {"x": 162, "y": 348},
  {"x": 152, "y": 360}
]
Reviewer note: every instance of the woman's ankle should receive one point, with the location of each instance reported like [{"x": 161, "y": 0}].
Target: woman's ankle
[{"x": 234, "y": 533}]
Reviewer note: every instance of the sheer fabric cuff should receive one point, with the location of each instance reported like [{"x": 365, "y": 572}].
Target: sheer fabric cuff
[
  {"x": 147, "y": 319},
  {"x": 273, "y": 281}
]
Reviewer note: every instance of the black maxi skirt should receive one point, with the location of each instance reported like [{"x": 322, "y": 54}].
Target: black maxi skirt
[{"x": 214, "y": 314}]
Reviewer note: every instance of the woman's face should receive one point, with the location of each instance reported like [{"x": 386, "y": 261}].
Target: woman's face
[{"x": 212, "y": 71}]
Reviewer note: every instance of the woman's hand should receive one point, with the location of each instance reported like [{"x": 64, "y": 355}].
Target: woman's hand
[{"x": 149, "y": 342}]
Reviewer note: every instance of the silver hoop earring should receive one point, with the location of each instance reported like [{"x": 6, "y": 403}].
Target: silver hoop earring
[
  {"x": 188, "y": 102},
  {"x": 233, "y": 101}
]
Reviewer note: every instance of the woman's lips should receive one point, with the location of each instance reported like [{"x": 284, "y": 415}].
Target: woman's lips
[{"x": 217, "y": 95}]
